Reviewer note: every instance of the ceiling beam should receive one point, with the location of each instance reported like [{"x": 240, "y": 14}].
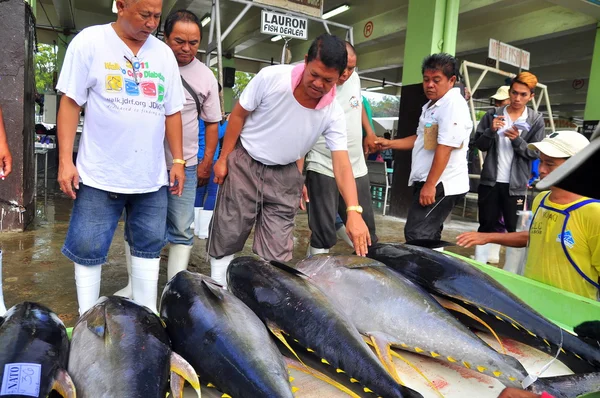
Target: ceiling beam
[
  {"x": 65, "y": 13},
  {"x": 170, "y": 5}
]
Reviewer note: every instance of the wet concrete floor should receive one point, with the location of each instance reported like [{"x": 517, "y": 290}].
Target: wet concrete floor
[{"x": 35, "y": 270}]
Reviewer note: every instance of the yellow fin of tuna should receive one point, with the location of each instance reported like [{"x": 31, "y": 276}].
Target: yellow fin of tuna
[
  {"x": 182, "y": 370},
  {"x": 433, "y": 387},
  {"x": 295, "y": 389},
  {"x": 225, "y": 396},
  {"x": 383, "y": 351},
  {"x": 301, "y": 367},
  {"x": 279, "y": 334},
  {"x": 353, "y": 380},
  {"x": 63, "y": 384},
  {"x": 450, "y": 305}
]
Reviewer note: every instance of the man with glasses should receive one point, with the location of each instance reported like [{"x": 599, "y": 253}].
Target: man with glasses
[{"x": 130, "y": 84}]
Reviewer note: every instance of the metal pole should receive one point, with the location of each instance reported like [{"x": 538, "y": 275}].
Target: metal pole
[
  {"x": 351, "y": 35},
  {"x": 2, "y": 306},
  {"x": 211, "y": 34},
  {"x": 549, "y": 109},
  {"x": 326, "y": 27},
  {"x": 236, "y": 21},
  {"x": 217, "y": 9},
  {"x": 476, "y": 86}
]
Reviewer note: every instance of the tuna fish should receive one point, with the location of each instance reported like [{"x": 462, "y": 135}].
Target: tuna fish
[
  {"x": 121, "y": 349},
  {"x": 293, "y": 308},
  {"x": 34, "y": 349},
  {"x": 393, "y": 311},
  {"x": 225, "y": 342}
]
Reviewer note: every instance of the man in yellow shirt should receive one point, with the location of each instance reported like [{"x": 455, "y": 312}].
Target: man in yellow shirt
[{"x": 564, "y": 238}]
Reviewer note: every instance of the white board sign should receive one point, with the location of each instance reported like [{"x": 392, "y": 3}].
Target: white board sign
[
  {"x": 508, "y": 54},
  {"x": 274, "y": 23}
]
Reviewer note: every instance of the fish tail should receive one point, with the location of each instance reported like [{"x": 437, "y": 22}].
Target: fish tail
[{"x": 569, "y": 386}]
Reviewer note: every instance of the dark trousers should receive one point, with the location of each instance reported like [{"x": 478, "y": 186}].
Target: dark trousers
[
  {"x": 326, "y": 202},
  {"x": 495, "y": 202},
  {"x": 428, "y": 222}
]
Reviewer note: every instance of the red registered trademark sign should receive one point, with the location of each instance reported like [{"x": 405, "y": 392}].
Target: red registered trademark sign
[
  {"x": 578, "y": 84},
  {"x": 368, "y": 29}
]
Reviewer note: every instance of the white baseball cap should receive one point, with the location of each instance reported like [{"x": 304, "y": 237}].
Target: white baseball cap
[
  {"x": 501, "y": 93},
  {"x": 561, "y": 144}
]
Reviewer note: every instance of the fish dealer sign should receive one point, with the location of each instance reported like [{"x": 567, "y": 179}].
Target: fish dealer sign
[{"x": 273, "y": 23}]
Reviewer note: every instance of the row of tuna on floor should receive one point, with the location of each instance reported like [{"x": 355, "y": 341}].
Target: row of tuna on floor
[{"x": 322, "y": 315}]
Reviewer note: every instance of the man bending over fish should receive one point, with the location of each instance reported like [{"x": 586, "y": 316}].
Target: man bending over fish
[
  {"x": 278, "y": 119},
  {"x": 564, "y": 238}
]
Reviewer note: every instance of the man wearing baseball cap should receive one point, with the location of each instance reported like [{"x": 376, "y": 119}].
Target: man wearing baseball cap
[
  {"x": 502, "y": 97},
  {"x": 564, "y": 238}
]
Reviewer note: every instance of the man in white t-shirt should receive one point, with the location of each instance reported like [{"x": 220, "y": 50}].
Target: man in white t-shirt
[
  {"x": 130, "y": 85},
  {"x": 183, "y": 35},
  {"x": 439, "y": 173},
  {"x": 325, "y": 199},
  {"x": 279, "y": 117}
]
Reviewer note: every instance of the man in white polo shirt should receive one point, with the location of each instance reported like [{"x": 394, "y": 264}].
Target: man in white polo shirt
[
  {"x": 325, "y": 199},
  {"x": 439, "y": 172},
  {"x": 279, "y": 117}
]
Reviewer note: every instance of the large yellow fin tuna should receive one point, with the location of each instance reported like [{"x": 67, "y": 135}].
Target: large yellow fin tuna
[
  {"x": 450, "y": 305},
  {"x": 181, "y": 370},
  {"x": 63, "y": 384},
  {"x": 301, "y": 367}
]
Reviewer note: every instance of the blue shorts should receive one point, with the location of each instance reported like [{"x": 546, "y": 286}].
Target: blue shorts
[
  {"x": 95, "y": 216},
  {"x": 181, "y": 210}
]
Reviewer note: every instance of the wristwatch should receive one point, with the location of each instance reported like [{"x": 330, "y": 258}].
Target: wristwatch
[
  {"x": 357, "y": 209},
  {"x": 179, "y": 161}
]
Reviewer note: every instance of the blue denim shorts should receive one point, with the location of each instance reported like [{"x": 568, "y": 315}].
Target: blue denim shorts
[
  {"x": 96, "y": 214},
  {"x": 181, "y": 210}
]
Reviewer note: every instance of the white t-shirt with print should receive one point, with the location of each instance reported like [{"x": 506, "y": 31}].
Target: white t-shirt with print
[
  {"x": 349, "y": 97},
  {"x": 451, "y": 113},
  {"x": 279, "y": 130},
  {"x": 121, "y": 148},
  {"x": 506, "y": 153}
]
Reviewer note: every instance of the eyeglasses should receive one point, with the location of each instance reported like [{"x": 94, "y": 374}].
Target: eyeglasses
[{"x": 133, "y": 66}]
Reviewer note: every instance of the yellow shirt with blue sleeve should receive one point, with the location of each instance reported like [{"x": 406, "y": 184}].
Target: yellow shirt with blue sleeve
[{"x": 564, "y": 245}]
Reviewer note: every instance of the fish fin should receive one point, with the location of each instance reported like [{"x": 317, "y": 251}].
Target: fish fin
[
  {"x": 63, "y": 384},
  {"x": 95, "y": 320},
  {"x": 384, "y": 353},
  {"x": 419, "y": 372},
  {"x": 301, "y": 367},
  {"x": 213, "y": 289},
  {"x": 287, "y": 268},
  {"x": 279, "y": 334},
  {"x": 451, "y": 305},
  {"x": 182, "y": 370},
  {"x": 429, "y": 243}
]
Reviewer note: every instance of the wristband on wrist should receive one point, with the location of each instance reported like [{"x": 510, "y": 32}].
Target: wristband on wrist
[{"x": 179, "y": 161}]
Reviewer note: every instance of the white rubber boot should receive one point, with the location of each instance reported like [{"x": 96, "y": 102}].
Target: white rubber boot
[
  {"x": 218, "y": 269},
  {"x": 313, "y": 250},
  {"x": 126, "y": 291},
  {"x": 482, "y": 253},
  {"x": 515, "y": 260},
  {"x": 205, "y": 217},
  {"x": 2, "y": 306},
  {"x": 144, "y": 281},
  {"x": 179, "y": 257},
  {"x": 341, "y": 234},
  {"x": 494, "y": 253},
  {"x": 87, "y": 282},
  {"x": 197, "y": 215}
]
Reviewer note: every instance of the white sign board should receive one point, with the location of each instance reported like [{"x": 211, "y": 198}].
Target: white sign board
[
  {"x": 274, "y": 23},
  {"x": 508, "y": 54}
]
